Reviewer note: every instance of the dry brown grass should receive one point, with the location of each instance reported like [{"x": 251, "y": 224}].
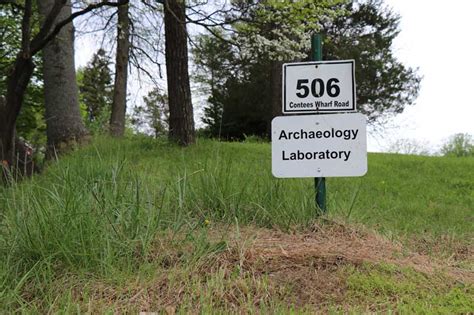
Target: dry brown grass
[
  {"x": 305, "y": 269},
  {"x": 338, "y": 244}
]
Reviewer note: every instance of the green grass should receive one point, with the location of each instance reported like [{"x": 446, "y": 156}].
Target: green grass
[
  {"x": 97, "y": 213},
  {"x": 400, "y": 194},
  {"x": 414, "y": 194},
  {"x": 387, "y": 287}
]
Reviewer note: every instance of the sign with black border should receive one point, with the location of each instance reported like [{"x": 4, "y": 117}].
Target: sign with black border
[{"x": 319, "y": 87}]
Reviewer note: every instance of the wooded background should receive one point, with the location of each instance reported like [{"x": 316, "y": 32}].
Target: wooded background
[{"x": 48, "y": 106}]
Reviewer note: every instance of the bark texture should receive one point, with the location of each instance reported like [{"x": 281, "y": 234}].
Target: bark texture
[
  {"x": 64, "y": 125},
  {"x": 181, "y": 120},
  {"x": 11, "y": 105},
  {"x": 119, "y": 102},
  {"x": 17, "y": 82},
  {"x": 276, "y": 90}
]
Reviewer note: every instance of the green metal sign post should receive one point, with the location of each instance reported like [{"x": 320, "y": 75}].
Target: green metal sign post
[{"x": 319, "y": 182}]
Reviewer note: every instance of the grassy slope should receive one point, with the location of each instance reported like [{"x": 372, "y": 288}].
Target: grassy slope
[
  {"x": 414, "y": 194},
  {"x": 97, "y": 212}
]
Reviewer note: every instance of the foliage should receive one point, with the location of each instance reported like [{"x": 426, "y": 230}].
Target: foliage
[
  {"x": 279, "y": 30},
  {"x": 234, "y": 69},
  {"x": 214, "y": 64},
  {"x": 459, "y": 145},
  {"x": 384, "y": 85},
  {"x": 233, "y": 109},
  {"x": 154, "y": 114},
  {"x": 365, "y": 33},
  {"x": 30, "y": 124},
  {"x": 95, "y": 87},
  {"x": 10, "y": 38}
]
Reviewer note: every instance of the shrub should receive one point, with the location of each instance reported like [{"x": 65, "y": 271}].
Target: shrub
[{"x": 459, "y": 145}]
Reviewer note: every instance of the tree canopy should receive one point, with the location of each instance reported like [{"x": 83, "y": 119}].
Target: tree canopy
[
  {"x": 360, "y": 30},
  {"x": 95, "y": 87},
  {"x": 236, "y": 61}
]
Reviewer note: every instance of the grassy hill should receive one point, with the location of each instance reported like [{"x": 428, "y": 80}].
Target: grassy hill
[{"x": 145, "y": 225}]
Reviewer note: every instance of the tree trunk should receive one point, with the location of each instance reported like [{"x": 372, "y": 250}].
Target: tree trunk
[
  {"x": 276, "y": 90},
  {"x": 181, "y": 120},
  {"x": 64, "y": 125},
  {"x": 119, "y": 103},
  {"x": 275, "y": 84},
  {"x": 10, "y": 107},
  {"x": 17, "y": 82}
]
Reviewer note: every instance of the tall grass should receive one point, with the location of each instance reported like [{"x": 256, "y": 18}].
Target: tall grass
[{"x": 99, "y": 210}]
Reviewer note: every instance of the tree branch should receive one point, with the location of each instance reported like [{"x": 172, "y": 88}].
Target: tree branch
[
  {"x": 26, "y": 29},
  {"x": 108, "y": 26},
  {"x": 48, "y": 23},
  {"x": 44, "y": 36}
]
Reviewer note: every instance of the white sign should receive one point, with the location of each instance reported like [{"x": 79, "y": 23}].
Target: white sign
[
  {"x": 319, "y": 145},
  {"x": 319, "y": 86}
]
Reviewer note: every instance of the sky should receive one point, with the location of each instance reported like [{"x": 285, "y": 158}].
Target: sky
[{"x": 436, "y": 37}]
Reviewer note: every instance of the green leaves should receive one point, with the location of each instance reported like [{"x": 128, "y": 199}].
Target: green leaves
[
  {"x": 459, "y": 145},
  {"x": 278, "y": 30},
  {"x": 95, "y": 85},
  {"x": 154, "y": 114}
]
